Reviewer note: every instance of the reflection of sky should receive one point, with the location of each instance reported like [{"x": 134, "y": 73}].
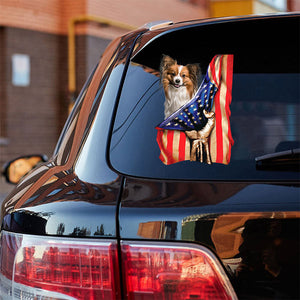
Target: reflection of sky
[
  {"x": 93, "y": 155},
  {"x": 78, "y": 214},
  {"x": 253, "y": 198},
  {"x": 257, "y": 198},
  {"x": 149, "y": 97}
]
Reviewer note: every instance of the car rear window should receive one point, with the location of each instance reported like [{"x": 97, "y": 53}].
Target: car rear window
[{"x": 246, "y": 105}]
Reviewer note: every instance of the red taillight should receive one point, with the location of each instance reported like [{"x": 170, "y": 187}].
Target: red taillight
[
  {"x": 81, "y": 269},
  {"x": 34, "y": 267},
  {"x": 10, "y": 244},
  {"x": 173, "y": 271}
]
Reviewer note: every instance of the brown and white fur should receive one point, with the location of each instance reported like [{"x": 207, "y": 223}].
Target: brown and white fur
[{"x": 180, "y": 83}]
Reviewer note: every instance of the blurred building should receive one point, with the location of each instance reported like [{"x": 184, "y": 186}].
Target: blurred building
[
  {"x": 34, "y": 84},
  {"x": 34, "y": 74}
]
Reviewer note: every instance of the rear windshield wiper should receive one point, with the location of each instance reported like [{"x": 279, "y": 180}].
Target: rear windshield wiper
[{"x": 288, "y": 160}]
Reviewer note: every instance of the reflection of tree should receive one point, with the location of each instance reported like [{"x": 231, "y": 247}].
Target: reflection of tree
[
  {"x": 100, "y": 230},
  {"x": 83, "y": 231},
  {"x": 67, "y": 186},
  {"x": 60, "y": 229}
]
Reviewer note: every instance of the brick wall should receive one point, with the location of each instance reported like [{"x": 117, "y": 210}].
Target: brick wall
[
  {"x": 32, "y": 112},
  {"x": 2, "y": 91},
  {"x": 294, "y": 5},
  {"x": 32, "y": 116},
  {"x": 52, "y": 16},
  {"x": 33, "y": 14}
]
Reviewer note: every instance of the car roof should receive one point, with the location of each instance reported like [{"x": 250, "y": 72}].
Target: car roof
[
  {"x": 154, "y": 29},
  {"x": 165, "y": 35}
]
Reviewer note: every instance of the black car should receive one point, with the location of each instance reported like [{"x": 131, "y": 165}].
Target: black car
[{"x": 202, "y": 203}]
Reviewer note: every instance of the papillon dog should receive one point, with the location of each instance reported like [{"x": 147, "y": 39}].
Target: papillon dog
[{"x": 180, "y": 83}]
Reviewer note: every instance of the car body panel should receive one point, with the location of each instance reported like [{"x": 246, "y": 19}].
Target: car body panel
[{"x": 67, "y": 206}]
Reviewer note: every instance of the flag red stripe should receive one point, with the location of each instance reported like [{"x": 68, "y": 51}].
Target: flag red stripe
[
  {"x": 219, "y": 143},
  {"x": 170, "y": 146},
  {"x": 171, "y": 153},
  {"x": 219, "y": 130},
  {"x": 229, "y": 76}
]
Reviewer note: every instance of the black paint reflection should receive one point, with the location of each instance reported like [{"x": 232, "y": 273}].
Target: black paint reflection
[
  {"x": 270, "y": 258},
  {"x": 67, "y": 206}
]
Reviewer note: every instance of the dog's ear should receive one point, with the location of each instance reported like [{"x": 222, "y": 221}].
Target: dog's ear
[
  {"x": 194, "y": 69},
  {"x": 195, "y": 72},
  {"x": 166, "y": 62}
]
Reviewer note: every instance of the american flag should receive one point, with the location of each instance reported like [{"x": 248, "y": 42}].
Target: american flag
[{"x": 213, "y": 94}]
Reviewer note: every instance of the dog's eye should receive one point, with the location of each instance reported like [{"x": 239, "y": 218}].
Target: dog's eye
[{"x": 183, "y": 75}]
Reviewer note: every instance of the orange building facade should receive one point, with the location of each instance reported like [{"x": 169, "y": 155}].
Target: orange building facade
[{"x": 223, "y": 8}]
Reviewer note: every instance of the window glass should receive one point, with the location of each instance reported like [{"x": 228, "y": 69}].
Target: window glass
[
  {"x": 69, "y": 126},
  {"x": 256, "y": 79},
  {"x": 91, "y": 165}
]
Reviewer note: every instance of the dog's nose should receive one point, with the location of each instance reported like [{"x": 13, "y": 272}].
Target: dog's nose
[{"x": 177, "y": 80}]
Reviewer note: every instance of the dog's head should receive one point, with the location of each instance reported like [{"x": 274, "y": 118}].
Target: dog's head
[{"x": 178, "y": 76}]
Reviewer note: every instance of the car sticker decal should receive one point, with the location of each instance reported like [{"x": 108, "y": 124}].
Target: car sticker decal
[{"x": 200, "y": 129}]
